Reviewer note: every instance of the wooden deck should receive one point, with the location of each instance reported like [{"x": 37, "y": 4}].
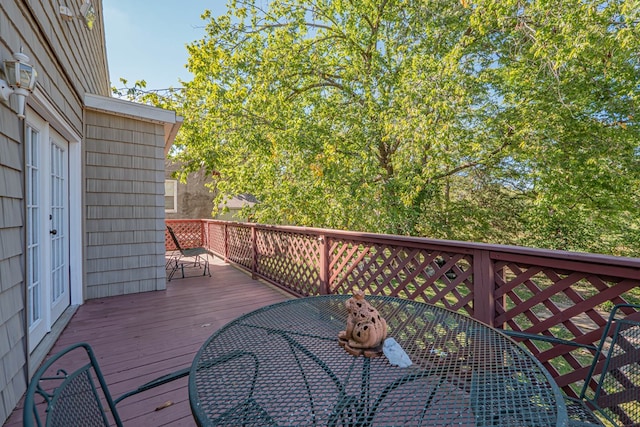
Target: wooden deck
[{"x": 142, "y": 336}]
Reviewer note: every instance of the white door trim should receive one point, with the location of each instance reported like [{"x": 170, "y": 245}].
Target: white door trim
[
  {"x": 40, "y": 102},
  {"x": 43, "y": 115}
]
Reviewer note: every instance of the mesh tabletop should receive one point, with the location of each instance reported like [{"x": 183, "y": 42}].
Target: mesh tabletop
[{"x": 282, "y": 366}]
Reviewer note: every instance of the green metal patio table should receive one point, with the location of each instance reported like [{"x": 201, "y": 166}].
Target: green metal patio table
[{"x": 281, "y": 365}]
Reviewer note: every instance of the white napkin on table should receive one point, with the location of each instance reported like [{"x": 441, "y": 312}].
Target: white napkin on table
[{"x": 396, "y": 355}]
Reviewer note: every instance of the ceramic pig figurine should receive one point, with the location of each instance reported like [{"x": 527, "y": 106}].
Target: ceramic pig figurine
[{"x": 365, "y": 328}]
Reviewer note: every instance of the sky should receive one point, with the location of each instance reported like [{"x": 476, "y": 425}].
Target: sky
[{"x": 147, "y": 40}]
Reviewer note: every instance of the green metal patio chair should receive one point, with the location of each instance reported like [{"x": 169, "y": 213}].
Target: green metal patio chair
[
  {"x": 617, "y": 393},
  {"x": 197, "y": 257},
  {"x": 78, "y": 397}
]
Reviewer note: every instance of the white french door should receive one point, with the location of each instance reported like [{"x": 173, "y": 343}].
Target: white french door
[
  {"x": 59, "y": 224},
  {"x": 47, "y": 198}
]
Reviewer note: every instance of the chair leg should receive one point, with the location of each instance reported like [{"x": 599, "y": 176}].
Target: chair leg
[
  {"x": 203, "y": 262},
  {"x": 207, "y": 270},
  {"x": 174, "y": 268},
  {"x": 198, "y": 261}
]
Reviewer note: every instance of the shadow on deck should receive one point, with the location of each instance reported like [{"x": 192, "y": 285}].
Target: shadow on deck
[{"x": 141, "y": 336}]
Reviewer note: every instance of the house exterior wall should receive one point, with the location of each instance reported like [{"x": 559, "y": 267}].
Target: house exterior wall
[
  {"x": 70, "y": 60},
  {"x": 120, "y": 171},
  {"x": 12, "y": 329},
  {"x": 124, "y": 205},
  {"x": 194, "y": 199}
]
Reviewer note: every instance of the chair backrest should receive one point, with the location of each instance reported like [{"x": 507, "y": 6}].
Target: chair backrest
[
  {"x": 174, "y": 238},
  {"x": 73, "y": 390},
  {"x": 617, "y": 388}
]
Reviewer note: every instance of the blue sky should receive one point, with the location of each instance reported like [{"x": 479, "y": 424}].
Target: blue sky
[{"x": 147, "y": 40}]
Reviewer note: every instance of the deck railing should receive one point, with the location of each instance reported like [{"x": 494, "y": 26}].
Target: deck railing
[{"x": 564, "y": 294}]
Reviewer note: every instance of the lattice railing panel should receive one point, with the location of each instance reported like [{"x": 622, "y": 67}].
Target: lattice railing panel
[
  {"x": 214, "y": 238},
  {"x": 567, "y": 295},
  {"x": 432, "y": 276},
  {"x": 565, "y": 304},
  {"x": 290, "y": 259},
  {"x": 189, "y": 235},
  {"x": 239, "y": 247}
]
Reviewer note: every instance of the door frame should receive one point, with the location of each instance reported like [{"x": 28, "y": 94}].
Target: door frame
[{"x": 40, "y": 104}]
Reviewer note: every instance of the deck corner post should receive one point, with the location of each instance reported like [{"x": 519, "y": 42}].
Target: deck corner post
[
  {"x": 226, "y": 243},
  {"x": 324, "y": 265},
  {"x": 254, "y": 253},
  {"x": 483, "y": 287}
]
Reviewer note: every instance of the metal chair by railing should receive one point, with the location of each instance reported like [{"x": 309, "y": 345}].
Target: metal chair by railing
[
  {"x": 73, "y": 397},
  {"x": 197, "y": 256},
  {"x": 615, "y": 370}
]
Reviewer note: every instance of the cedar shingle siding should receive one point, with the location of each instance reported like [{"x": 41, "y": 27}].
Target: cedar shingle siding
[
  {"x": 124, "y": 206},
  {"x": 119, "y": 181}
]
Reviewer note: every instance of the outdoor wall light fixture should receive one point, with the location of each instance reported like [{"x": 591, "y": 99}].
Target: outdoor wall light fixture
[
  {"x": 89, "y": 14},
  {"x": 20, "y": 80}
]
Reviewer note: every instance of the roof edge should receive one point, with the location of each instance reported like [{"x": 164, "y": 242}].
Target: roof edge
[
  {"x": 170, "y": 132},
  {"x": 122, "y": 107}
]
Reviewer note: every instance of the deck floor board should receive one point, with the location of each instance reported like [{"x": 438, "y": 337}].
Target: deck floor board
[{"x": 139, "y": 337}]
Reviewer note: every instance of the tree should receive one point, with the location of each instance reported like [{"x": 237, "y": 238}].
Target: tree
[
  {"x": 504, "y": 121},
  {"x": 568, "y": 79}
]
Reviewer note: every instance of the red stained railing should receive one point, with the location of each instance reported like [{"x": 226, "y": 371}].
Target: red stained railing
[{"x": 564, "y": 294}]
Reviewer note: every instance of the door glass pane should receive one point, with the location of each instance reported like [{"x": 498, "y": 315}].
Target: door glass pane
[
  {"x": 58, "y": 237},
  {"x": 34, "y": 283}
]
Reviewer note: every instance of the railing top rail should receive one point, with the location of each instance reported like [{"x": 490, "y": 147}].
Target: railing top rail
[
  {"x": 460, "y": 246},
  {"x": 182, "y": 221}
]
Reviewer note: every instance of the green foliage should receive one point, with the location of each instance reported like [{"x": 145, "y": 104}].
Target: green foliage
[
  {"x": 491, "y": 120},
  {"x": 169, "y": 98}
]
